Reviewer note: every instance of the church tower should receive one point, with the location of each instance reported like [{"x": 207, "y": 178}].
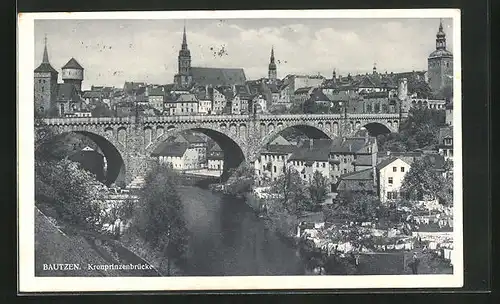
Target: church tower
[
  {"x": 72, "y": 72},
  {"x": 440, "y": 64},
  {"x": 183, "y": 77},
  {"x": 272, "y": 73},
  {"x": 45, "y": 85}
]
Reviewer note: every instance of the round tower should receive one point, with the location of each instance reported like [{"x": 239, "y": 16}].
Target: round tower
[{"x": 72, "y": 72}]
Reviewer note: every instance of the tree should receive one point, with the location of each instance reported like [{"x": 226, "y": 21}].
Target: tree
[
  {"x": 423, "y": 181},
  {"x": 419, "y": 131},
  {"x": 241, "y": 179},
  {"x": 291, "y": 191},
  {"x": 318, "y": 188},
  {"x": 160, "y": 218}
]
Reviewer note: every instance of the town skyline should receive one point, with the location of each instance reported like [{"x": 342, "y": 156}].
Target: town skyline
[{"x": 223, "y": 43}]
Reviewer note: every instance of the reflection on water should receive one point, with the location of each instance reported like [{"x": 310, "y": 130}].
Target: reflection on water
[{"x": 227, "y": 238}]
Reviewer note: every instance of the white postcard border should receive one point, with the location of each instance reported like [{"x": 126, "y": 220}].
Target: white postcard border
[{"x": 25, "y": 147}]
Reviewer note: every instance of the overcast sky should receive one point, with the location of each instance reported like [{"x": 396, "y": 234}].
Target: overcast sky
[{"x": 115, "y": 51}]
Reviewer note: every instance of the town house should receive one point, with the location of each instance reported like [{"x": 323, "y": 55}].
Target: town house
[
  {"x": 445, "y": 146},
  {"x": 390, "y": 176},
  {"x": 215, "y": 158}
]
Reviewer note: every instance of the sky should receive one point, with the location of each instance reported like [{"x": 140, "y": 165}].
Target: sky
[{"x": 115, "y": 51}]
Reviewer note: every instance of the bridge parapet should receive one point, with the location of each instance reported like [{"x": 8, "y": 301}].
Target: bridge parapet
[
  {"x": 88, "y": 121},
  {"x": 194, "y": 118}
]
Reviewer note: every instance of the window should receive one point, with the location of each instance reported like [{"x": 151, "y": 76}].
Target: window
[
  {"x": 324, "y": 165},
  {"x": 274, "y": 169},
  {"x": 390, "y": 180},
  {"x": 402, "y": 169},
  {"x": 394, "y": 169},
  {"x": 345, "y": 160}
]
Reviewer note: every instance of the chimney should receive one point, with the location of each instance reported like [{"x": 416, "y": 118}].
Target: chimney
[
  {"x": 311, "y": 143},
  {"x": 234, "y": 89},
  {"x": 388, "y": 153},
  {"x": 374, "y": 173}
]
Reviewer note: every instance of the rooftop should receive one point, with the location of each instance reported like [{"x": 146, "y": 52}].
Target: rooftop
[
  {"x": 175, "y": 149},
  {"x": 218, "y": 76},
  {"x": 72, "y": 64}
]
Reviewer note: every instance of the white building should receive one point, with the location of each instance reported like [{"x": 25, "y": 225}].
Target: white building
[
  {"x": 445, "y": 147},
  {"x": 177, "y": 155},
  {"x": 390, "y": 175},
  {"x": 215, "y": 159},
  {"x": 205, "y": 106},
  {"x": 219, "y": 101}
]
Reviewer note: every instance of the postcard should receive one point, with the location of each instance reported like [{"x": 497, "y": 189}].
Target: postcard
[{"x": 239, "y": 150}]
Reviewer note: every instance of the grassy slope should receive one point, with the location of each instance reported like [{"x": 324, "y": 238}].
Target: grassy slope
[{"x": 54, "y": 246}]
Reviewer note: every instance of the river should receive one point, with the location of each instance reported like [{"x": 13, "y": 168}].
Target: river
[{"x": 228, "y": 238}]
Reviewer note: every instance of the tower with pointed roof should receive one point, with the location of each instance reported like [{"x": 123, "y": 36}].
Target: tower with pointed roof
[
  {"x": 440, "y": 64},
  {"x": 72, "y": 72},
  {"x": 272, "y": 71},
  {"x": 45, "y": 86},
  {"x": 183, "y": 77}
]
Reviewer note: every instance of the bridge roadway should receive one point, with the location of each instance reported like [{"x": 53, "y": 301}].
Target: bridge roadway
[{"x": 128, "y": 142}]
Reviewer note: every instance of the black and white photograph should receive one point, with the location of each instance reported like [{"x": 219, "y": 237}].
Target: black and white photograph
[{"x": 239, "y": 150}]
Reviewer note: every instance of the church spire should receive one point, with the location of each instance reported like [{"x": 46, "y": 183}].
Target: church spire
[
  {"x": 272, "y": 73},
  {"x": 45, "y": 53},
  {"x": 184, "y": 39},
  {"x": 440, "y": 37}
]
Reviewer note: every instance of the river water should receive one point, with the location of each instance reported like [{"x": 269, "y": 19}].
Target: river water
[{"x": 228, "y": 238}]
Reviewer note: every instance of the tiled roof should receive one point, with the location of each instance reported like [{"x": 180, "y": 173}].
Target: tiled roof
[
  {"x": 186, "y": 98},
  {"x": 92, "y": 94},
  {"x": 156, "y": 91},
  {"x": 175, "y": 149},
  {"x": 350, "y": 144},
  {"x": 45, "y": 67},
  {"x": 279, "y": 149},
  {"x": 72, "y": 64},
  {"x": 387, "y": 162},
  {"x": 303, "y": 90},
  {"x": 317, "y": 95},
  {"x": 366, "y": 174},
  {"x": 318, "y": 151},
  {"x": 217, "y": 76},
  {"x": 215, "y": 148},
  {"x": 192, "y": 138},
  {"x": 343, "y": 96},
  {"x": 280, "y": 140}
]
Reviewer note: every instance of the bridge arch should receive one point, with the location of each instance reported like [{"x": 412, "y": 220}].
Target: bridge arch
[
  {"x": 229, "y": 142},
  {"x": 310, "y": 131},
  {"x": 115, "y": 171},
  {"x": 377, "y": 128}
]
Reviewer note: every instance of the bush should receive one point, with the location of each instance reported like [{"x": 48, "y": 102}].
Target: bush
[{"x": 75, "y": 195}]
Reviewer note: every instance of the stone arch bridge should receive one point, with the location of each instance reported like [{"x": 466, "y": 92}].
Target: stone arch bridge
[{"x": 127, "y": 142}]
